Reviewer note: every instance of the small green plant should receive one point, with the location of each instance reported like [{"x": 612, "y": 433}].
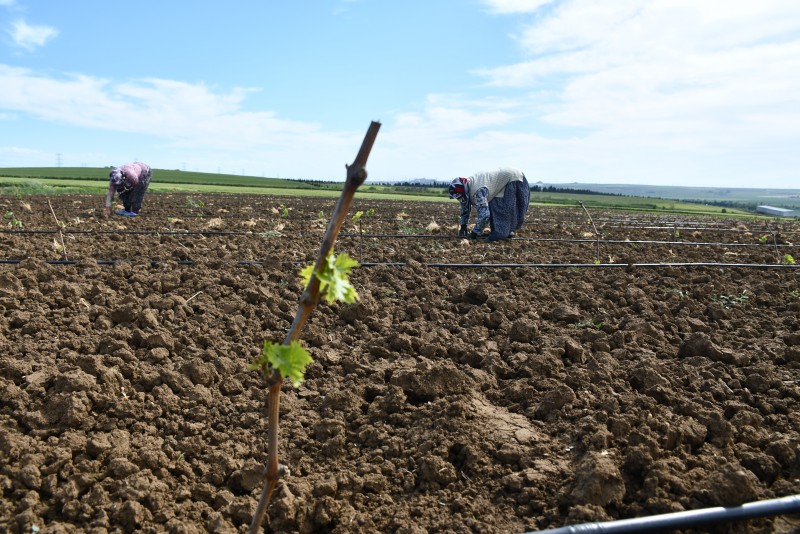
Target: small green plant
[
  {"x": 678, "y": 291},
  {"x": 729, "y": 301},
  {"x": 284, "y": 211},
  {"x": 357, "y": 219},
  {"x": 194, "y": 204},
  {"x": 334, "y": 278},
  {"x": 58, "y": 247},
  {"x": 589, "y": 323},
  {"x": 289, "y": 360},
  {"x": 407, "y": 229},
  {"x": 763, "y": 239},
  {"x": 13, "y": 222},
  {"x": 788, "y": 259}
]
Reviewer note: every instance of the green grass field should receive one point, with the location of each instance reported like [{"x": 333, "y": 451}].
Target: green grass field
[{"x": 94, "y": 180}]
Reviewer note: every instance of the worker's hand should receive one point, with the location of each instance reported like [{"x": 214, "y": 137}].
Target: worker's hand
[
  {"x": 473, "y": 235},
  {"x": 106, "y": 212},
  {"x": 462, "y": 232}
]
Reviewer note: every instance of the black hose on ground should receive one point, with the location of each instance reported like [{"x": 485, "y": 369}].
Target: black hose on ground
[{"x": 687, "y": 519}]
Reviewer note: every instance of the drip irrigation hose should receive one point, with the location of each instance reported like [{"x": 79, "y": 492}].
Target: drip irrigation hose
[
  {"x": 688, "y": 519},
  {"x": 154, "y": 263},
  {"x": 602, "y": 242}
]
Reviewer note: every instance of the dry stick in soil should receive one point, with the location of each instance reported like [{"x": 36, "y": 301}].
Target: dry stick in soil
[
  {"x": 59, "y": 225},
  {"x": 357, "y": 219},
  {"x": 356, "y": 175},
  {"x": 775, "y": 242},
  {"x": 596, "y": 233}
]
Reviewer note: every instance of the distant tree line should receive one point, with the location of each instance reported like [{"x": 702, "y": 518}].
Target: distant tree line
[
  {"x": 750, "y": 206},
  {"x": 554, "y": 189},
  {"x": 534, "y": 188},
  {"x": 409, "y": 186}
]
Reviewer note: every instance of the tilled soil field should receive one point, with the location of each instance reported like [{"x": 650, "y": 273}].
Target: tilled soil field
[{"x": 553, "y": 379}]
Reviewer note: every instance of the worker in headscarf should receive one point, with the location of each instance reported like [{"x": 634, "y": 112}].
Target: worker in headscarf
[
  {"x": 500, "y": 199},
  {"x": 130, "y": 182}
]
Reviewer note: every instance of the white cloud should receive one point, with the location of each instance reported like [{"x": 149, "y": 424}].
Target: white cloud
[
  {"x": 446, "y": 115},
  {"x": 695, "y": 77},
  {"x": 191, "y": 122},
  {"x": 515, "y": 6},
  {"x": 454, "y": 135},
  {"x": 31, "y": 37},
  {"x": 180, "y": 112},
  {"x": 661, "y": 91}
]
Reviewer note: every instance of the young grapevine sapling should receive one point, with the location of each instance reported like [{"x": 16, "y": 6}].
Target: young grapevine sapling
[{"x": 327, "y": 278}]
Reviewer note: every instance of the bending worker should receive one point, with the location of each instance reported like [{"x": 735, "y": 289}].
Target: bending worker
[
  {"x": 500, "y": 199},
  {"x": 130, "y": 182}
]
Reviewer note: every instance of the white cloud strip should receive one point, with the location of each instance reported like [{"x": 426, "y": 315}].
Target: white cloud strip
[
  {"x": 31, "y": 37},
  {"x": 708, "y": 72},
  {"x": 184, "y": 114},
  {"x": 506, "y": 7}
]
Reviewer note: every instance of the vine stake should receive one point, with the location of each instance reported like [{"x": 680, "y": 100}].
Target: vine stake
[
  {"x": 596, "y": 233},
  {"x": 59, "y": 225},
  {"x": 356, "y": 176}
]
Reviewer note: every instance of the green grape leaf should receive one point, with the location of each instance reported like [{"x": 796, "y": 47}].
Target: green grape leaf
[
  {"x": 289, "y": 360},
  {"x": 334, "y": 278},
  {"x": 306, "y": 272}
]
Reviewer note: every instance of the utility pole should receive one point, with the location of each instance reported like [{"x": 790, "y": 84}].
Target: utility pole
[{"x": 58, "y": 159}]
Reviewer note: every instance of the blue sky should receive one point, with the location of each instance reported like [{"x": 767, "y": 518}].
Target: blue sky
[{"x": 681, "y": 92}]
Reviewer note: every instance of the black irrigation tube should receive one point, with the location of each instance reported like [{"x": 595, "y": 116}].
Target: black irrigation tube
[
  {"x": 602, "y": 241},
  {"x": 589, "y": 265},
  {"x": 658, "y": 242},
  {"x": 154, "y": 263},
  {"x": 687, "y": 519}
]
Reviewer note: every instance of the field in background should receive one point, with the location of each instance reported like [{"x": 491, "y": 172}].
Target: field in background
[
  {"x": 784, "y": 198},
  {"x": 93, "y": 180}
]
